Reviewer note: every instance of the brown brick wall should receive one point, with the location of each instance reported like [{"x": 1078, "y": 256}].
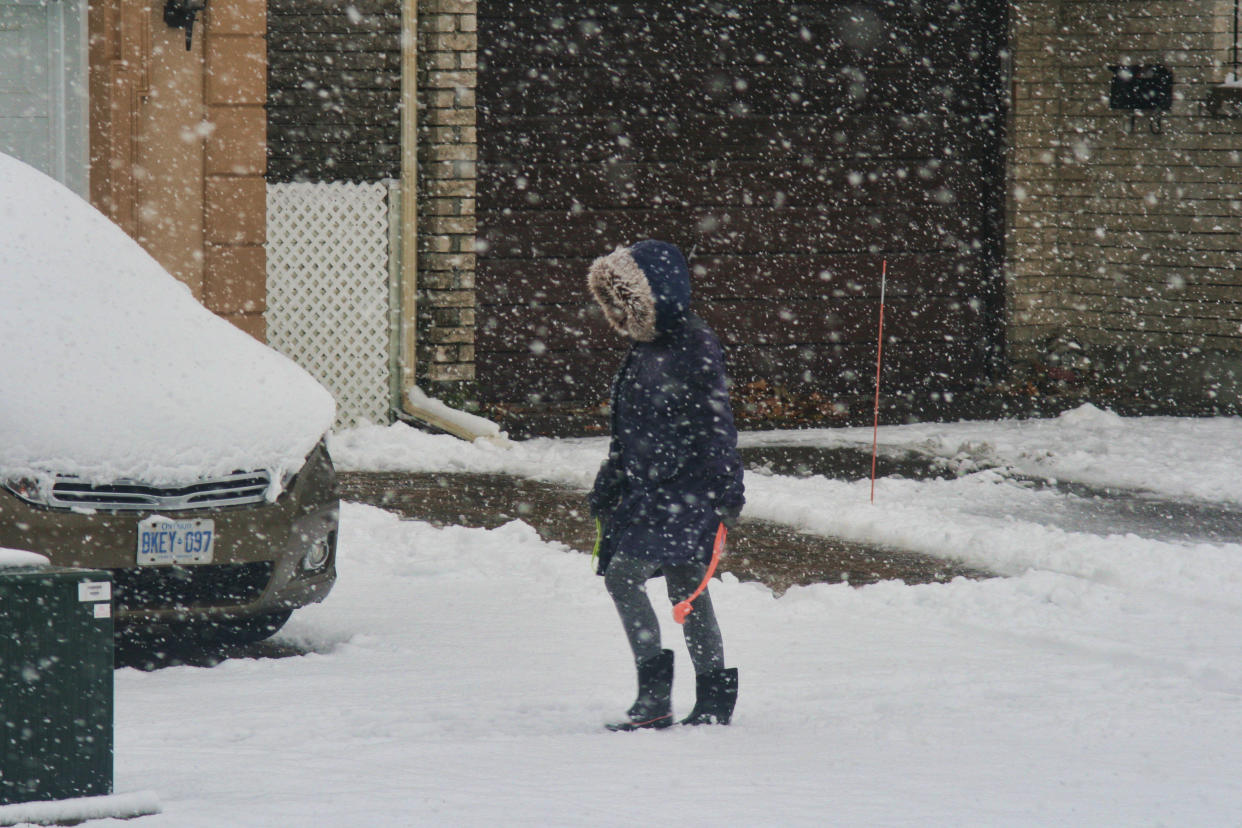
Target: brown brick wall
[
  {"x": 1125, "y": 243},
  {"x": 334, "y": 90},
  {"x": 447, "y": 156}
]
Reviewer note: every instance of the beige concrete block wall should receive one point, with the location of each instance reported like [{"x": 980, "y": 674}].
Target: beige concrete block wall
[
  {"x": 1124, "y": 242},
  {"x": 447, "y": 160}
]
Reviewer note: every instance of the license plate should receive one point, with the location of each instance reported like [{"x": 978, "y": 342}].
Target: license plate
[{"x": 163, "y": 540}]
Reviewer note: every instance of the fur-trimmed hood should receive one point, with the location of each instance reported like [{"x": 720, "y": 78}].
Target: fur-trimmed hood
[{"x": 644, "y": 290}]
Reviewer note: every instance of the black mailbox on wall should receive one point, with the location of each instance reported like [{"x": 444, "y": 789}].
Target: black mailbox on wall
[{"x": 1141, "y": 88}]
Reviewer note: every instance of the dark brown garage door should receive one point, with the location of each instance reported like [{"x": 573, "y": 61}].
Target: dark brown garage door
[{"x": 790, "y": 146}]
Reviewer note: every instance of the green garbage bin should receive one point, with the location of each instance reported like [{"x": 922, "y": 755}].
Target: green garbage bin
[{"x": 56, "y": 663}]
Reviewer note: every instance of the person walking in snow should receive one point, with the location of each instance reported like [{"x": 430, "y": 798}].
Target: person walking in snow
[{"x": 672, "y": 476}]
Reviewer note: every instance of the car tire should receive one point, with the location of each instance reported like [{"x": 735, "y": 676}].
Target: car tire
[{"x": 246, "y": 630}]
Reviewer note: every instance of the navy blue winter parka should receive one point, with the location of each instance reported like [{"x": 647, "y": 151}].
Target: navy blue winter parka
[{"x": 673, "y": 471}]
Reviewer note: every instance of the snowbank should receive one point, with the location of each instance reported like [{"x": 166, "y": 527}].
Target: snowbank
[
  {"x": 1179, "y": 456},
  {"x": 399, "y": 447},
  {"x": 1176, "y": 456}
]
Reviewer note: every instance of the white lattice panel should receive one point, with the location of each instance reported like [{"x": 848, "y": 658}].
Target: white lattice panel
[{"x": 327, "y": 290}]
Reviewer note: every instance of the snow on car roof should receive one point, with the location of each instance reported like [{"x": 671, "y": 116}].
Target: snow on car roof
[{"x": 112, "y": 370}]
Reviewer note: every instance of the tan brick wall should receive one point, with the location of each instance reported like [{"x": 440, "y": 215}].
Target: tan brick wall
[
  {"x": 1122, "y": 241},
  {"x": 447, "y": 160},
  {"x": 234, "y": 198},
  {"x": 178, "y": 144}
]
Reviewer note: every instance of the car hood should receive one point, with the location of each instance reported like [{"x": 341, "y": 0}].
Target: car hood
[{"x": 110, "y": 369}]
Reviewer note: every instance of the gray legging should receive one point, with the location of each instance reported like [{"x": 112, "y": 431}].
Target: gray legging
[{"x": 626, "y": 580}]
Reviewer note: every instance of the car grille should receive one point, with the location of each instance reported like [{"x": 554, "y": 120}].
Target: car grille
[
  {"x": 172, "y": 587},
  {"x": 238, "y": 489}
]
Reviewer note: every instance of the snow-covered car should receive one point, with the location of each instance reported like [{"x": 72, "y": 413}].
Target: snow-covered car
[{"x": 142, "y": 434}]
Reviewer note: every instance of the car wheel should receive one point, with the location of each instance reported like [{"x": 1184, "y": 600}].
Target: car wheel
[{"x": 246, "y": 630}]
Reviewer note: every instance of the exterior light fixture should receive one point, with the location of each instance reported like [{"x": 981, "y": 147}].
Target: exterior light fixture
[{"x": 179, "y": 14}]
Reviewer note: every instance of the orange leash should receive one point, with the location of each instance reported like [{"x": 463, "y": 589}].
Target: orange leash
[{"x": 683, "y": 609}]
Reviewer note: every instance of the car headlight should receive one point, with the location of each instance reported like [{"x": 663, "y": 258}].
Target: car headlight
[
  {"x": 317, "y": 556},
  {"x": 28, "y": 489}
]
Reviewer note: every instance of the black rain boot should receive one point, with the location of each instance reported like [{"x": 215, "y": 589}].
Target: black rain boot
[
  {"x": 716, "y": 694},
  {"x": 654, "y": 706}
]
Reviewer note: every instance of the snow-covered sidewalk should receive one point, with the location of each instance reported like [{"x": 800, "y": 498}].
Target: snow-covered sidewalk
[{"x": 460, "y": 676}]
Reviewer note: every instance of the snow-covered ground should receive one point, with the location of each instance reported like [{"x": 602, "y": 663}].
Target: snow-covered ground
[{"x": 461, "y": 676}]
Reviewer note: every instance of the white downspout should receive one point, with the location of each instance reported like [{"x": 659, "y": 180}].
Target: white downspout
[{"x": 409, "y": 194}]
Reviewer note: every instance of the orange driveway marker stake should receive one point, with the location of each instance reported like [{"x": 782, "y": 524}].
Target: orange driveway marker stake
[{"x": 879, "y": 353}]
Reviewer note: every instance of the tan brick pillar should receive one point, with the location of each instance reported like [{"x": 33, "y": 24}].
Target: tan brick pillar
[
  {"x": 448, "y": 155},
  {"x": 234, "y": 197}
]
